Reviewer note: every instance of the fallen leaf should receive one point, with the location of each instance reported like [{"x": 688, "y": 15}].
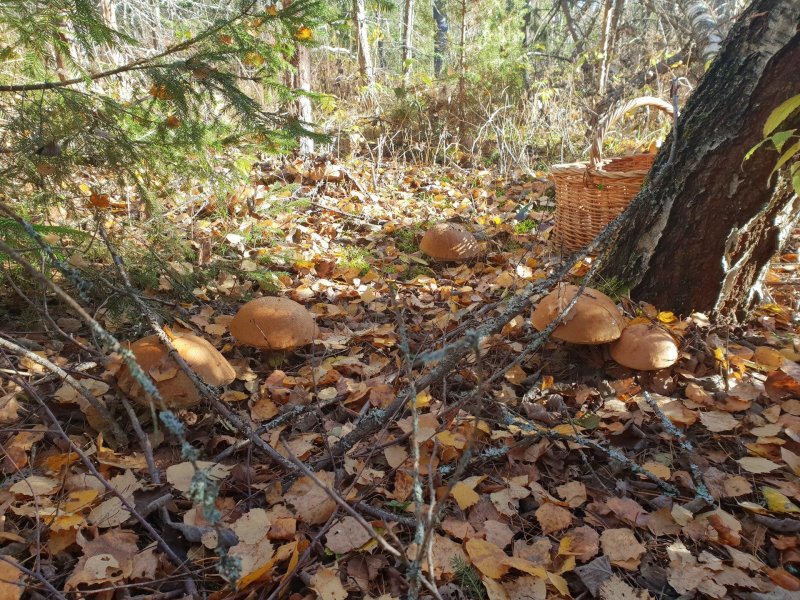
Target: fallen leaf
[
  {"x": 487, "y": 558},
  {"x": 106, "y": 559},
  {"x": 311, "y": 503},
  {"x": 35, "y": 485},
  {"x": 718, "y": 421},
  {"x": 553, "y": 518},
  {"x": 622, "y": 548},
  {"x": 573, "y": 493},
  {"x": 778, "y": 502},
  {"x": 616, "y": 589},
  {"x": 11, "y": 584},
  {"x": 346, "y": 535},
  {"x": 180, "y": 475},
  {"x": 327, "y": 584},
  {"x": 756, "y": 464}
]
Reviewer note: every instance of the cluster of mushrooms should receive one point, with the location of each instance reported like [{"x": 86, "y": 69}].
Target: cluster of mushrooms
[
  {"x": 593, "y": 320},
  {"x": 268, "y": 323},
  {"x": 281, "y": 324}
]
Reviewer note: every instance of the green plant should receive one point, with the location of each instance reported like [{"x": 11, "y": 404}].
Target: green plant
[
  {"x": 406, "y": 238},
  {"x": 525, "y": 226},
  {"x": 355, "y": 257},
  {"x": 779, "y": 139},
  {"x": 267, "y": 280},
  {"x": 614, "y": 288},
  {"x": 468, "y": 579}
]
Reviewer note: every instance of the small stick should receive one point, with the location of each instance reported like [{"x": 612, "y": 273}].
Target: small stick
[
  {"x": 191, "y": 588},
  {"x": 701, "y": 491},
  {"x": 36, "y": 575},
  {"x": 511, "y": 419}
]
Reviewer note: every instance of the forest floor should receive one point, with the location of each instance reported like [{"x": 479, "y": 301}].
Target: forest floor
[{"x": 551, "y": 473}]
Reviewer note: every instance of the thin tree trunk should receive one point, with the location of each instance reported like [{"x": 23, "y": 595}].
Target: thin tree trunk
[
  {"x": 704, "y": 26},
  {"x": 383, "y": 64},
  {"x": 362, "y": 37},
  {"x": 706, "y": 224},
  {"x": 440, "y": 41},
  {"x": 580, "y": 44},
  {"x": 301, "y": 80},
  {"x": 605, "y": 39},
  {"x": 408, "y": 39}
]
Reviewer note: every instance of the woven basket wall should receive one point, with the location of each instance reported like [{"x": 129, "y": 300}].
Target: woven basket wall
[{"x": 591, "y": 194}]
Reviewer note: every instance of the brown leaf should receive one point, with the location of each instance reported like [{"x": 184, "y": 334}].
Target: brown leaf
[
  {"x": 553, "y": 518},
  {"x": 327, "y": 584},
  {"x": 311, "y": 503},
  {"x": 106, "y": 559},
  {"x": 584, "y": 543},
  {"x": 346, "y": 535},
  {"x": 573, "y": 493},
  {"x": 11, "y": 584},
  {"x": 622, "y": 548},
  {"x": 498, "y": 533},
  {"x": 616, "y": 589}
]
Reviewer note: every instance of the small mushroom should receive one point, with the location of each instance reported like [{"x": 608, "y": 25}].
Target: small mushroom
[
  {"x": 449, "y": 242},
  {"x": 173, "y": 384},
  {"x": 644, "y": 347},
  {"x": 272, "y": 323},
  {"x": 594, "y": 319}
]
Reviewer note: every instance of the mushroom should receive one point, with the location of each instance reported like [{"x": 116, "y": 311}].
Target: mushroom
[
  {"x": 449, "y": 242},
  {"x": 273, "y": 323},
  {"x": 173, "y": 384},
  {"x": 644, "y": 347},
  {"x": 594, "y": 319}
]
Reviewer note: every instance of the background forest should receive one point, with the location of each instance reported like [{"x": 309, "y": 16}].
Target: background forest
[{"x": 327, "y": 299}]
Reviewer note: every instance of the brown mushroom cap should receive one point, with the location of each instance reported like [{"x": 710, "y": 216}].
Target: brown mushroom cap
[
  {"x": 594, "y": 319},
  {"x": 644, "y": 347},
  {"x": 449, "y": 242},
  {"x": 174, "y": 385},
  {"x": 273, "y": 324}
]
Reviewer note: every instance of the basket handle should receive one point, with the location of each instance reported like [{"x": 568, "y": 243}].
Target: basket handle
[{"x": 612, "y": 117}]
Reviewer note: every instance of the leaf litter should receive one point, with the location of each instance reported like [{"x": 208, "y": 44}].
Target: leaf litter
[{"x": 558, "y": 501}]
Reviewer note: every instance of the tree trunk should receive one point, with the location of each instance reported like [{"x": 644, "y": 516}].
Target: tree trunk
[
  {"x": 362, "y": 37},
  {"x": 705, "y": 30},
  {"x": 301, "y": 80},
  {"x": 408, "y": 39},
  {"x": 440, "y": 41},
  {"x": 706, "y": 224}
]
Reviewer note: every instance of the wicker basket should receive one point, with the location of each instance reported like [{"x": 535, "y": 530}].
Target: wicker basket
[{"x": 589, "y": 195}]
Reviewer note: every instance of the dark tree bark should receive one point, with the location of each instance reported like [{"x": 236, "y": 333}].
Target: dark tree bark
[
  {"x": 705, "y": 226},
  {"x": 440, "y": 41}
]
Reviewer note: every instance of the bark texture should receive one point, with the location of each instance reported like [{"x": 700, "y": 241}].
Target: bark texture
[
  {"x": 705, "y": 225},
  {"x": 362, "y": 38}
]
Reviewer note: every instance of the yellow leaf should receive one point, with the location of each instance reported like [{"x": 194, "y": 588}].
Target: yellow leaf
[
  {"x": 667, "y": 317},
  {"x": 464, "y": 495},
  {"x": 454, "y": 440},
  {"x": 559, "y": 583},
  {"x": 79, "y": 499},
  {"x": 777, "y": 502},
  {"x": 422, "y": 400},
  {"x": 547, "y": 382},
  {"x": 525, "y": 566},
  {"x": 304, "y": 34},
  {"x": 487, "y": 558}
]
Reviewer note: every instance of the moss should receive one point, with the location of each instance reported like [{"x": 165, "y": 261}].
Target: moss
[
  {"x": 524, "y": 226},
  {"x": 359, "y": 258}
]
